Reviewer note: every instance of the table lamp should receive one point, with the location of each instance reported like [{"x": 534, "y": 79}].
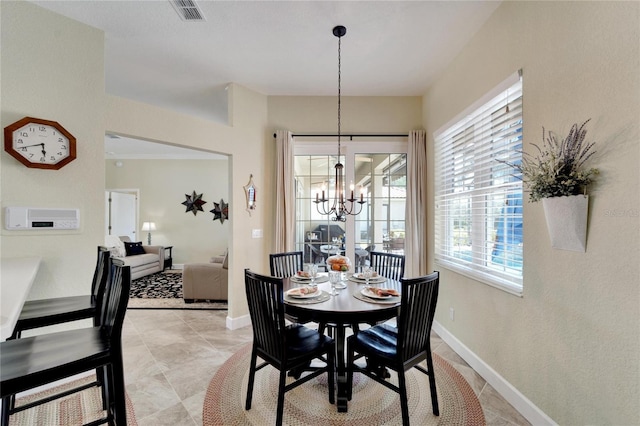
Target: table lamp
[{"x": 149, "y": 226}]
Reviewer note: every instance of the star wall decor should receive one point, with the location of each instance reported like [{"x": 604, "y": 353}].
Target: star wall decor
[
  {"x": 194, "y": 203},
  {"x": 220, "y": 211}
]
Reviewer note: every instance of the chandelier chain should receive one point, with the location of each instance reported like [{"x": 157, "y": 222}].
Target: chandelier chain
[
  {"x": 339, "y": 206},
  {"x": 339, "y": 91}
]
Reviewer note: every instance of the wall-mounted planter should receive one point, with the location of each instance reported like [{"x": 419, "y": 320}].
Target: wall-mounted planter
[{"x": 567, "y": 221}]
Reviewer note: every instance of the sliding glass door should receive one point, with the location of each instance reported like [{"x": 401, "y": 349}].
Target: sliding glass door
[{"x": 377, "y": 170}]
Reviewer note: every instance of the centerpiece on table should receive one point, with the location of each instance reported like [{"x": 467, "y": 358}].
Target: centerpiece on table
[
  {"x": 338, "y": 262},
  {"x": 558, "y": 175}
]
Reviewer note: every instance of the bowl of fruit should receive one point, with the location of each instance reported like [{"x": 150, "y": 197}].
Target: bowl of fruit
[{"x": 338, "y": 263}]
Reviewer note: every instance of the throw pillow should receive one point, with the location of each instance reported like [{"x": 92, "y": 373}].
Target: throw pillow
[
  {"x": 115, "y": 245},
  {"x": 133, "y": 249}
]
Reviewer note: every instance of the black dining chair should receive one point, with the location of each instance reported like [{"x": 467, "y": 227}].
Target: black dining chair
[
  {"x": 404, "y": 347},
  {"x": 285, "y": 265},
  {"x": 388, "y": 265},
  {"x": 30, "y": 362},
  {"x": 46, "y": 312},
  {"x": 283, "y": 347}
]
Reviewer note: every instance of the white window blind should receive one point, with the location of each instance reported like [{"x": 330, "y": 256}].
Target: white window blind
[{"x": 478, "y": 197}]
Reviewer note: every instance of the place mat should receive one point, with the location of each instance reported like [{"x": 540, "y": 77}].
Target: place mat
[
  {"x": 319, "y": 279},
  {"x": 324, "y": 296},
  {"x": 389, "y": 301}
]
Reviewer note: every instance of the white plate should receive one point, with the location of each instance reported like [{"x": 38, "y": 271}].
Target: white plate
[
  {"x": 378, "y": 279},
  {"x": 300, "y": 279},
  {"x": 295, "y": 293},
  {"x": 367, "y": 292}
]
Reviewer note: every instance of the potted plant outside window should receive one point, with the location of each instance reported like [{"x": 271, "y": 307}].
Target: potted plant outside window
[{"x": 558, "y": 175}]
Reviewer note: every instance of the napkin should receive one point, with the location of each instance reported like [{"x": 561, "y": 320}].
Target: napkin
[
  {"x": 302, "y": 291},
  {"x": 384, "y": 292}
]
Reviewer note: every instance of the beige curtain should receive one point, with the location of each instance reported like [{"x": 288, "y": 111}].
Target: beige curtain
[
  {"x": 285, "y": 197},
  {"x": 416, "y": 214}
]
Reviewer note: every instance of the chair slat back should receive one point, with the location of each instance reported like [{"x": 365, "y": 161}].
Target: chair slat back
[
  {"x": 417, "y": 309},
  {"x": 389, "y": 265},
  {"x": 266, "y": 309},
  {"x": 285, "y": 265},
  {"x": 101, "y": 273},
  {"x": 116, "y": 299}
]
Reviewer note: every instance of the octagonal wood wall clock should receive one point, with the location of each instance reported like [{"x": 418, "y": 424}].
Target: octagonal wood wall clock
[{"x": 40, "y": 144}]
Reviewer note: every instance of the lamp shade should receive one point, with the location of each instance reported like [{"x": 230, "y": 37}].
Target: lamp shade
[{"x": 148, "y": 226}]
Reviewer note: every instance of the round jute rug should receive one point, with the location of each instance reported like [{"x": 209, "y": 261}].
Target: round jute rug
[
  {"x": 76, "y": 409},
  {"x": 308, "y": 404}
]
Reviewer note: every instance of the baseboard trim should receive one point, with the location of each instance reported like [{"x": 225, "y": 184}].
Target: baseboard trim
[
  {"x": 239, "y": 322},
  {"x": 520, "y": 402}
]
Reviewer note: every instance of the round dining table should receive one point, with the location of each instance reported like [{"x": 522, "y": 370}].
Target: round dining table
[{"x": 349, "y": 307}]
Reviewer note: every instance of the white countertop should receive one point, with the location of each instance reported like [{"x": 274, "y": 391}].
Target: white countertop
[{"x": 16, "y": 278}]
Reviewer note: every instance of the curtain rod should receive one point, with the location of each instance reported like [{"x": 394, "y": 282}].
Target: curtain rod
[{"x": 350, "y": 136}]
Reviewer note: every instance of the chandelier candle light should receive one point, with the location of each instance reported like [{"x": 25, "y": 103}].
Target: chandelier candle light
[{"x": 338, "y": 207}]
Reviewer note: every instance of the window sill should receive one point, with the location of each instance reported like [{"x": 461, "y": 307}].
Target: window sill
[{"x": 475, "y": 275}]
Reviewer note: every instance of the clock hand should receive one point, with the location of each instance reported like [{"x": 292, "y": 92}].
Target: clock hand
[{"x": 36, "y": 144}]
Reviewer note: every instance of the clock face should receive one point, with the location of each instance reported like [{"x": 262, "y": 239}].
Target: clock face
[{"x": 40, "y": 143}]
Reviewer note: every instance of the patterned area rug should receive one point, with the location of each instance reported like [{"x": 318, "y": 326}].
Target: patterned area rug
[
  {"x": 372, "y": 403},
  {"x": 75, "y": 409},
  {"x": 163, "y": 290},
  {"x": 161, "y": 285}
]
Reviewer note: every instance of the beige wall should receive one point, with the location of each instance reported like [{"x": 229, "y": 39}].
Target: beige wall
[
  {"x": 366, "y": 114},
  {"x": 571, "y": 343},
  {"x": 243, "y": 140},
  {"x": 162, "y": 186},
  {"x": 53, "y": 68}
]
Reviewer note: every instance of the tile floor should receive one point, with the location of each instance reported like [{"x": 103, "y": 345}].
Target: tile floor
[{"x": 170, "y": 357}]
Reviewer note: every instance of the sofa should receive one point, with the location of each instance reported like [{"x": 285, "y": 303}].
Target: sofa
[
  {"x": 143, "y": 260},
  {"x": 206, "y": 281}
]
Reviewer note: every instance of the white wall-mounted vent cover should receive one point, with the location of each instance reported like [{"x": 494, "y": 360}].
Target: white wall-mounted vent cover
[{"x": 29, "y": 218}]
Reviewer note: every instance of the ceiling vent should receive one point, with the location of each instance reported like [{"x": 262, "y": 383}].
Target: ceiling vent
[{"x": 188, "y": 10}]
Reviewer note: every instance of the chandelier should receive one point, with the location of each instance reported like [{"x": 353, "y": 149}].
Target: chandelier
[{"x": 339, "y": 206}]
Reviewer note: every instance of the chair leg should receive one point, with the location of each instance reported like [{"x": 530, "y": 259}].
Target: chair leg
[
  {"x": 252, "y": 373},
  {"x": 432, "y": 385},
  {"x": 102, "y": 379},
  {"x": 331, "y": 371},
  {"x": 404, "y": 405},
  {"x": 117, "y": 397},
  {"x": 280, "y": 409},
  {"x": 6, "y": 401},
  {"x": 350, "y": 361}
]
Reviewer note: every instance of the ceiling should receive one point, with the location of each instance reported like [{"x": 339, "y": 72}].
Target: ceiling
[{"x": 392, "y": 48}]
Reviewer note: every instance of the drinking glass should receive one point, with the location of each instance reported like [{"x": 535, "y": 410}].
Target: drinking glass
[
  {"x": 312, "y": 268},
  {"x": 366, "y": 273},
  {"x": 341, "y": 281},
  {"x": 334, "y": 279}
]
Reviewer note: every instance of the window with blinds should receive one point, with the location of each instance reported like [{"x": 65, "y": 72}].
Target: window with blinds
[{"x": 478, "y": 196}]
